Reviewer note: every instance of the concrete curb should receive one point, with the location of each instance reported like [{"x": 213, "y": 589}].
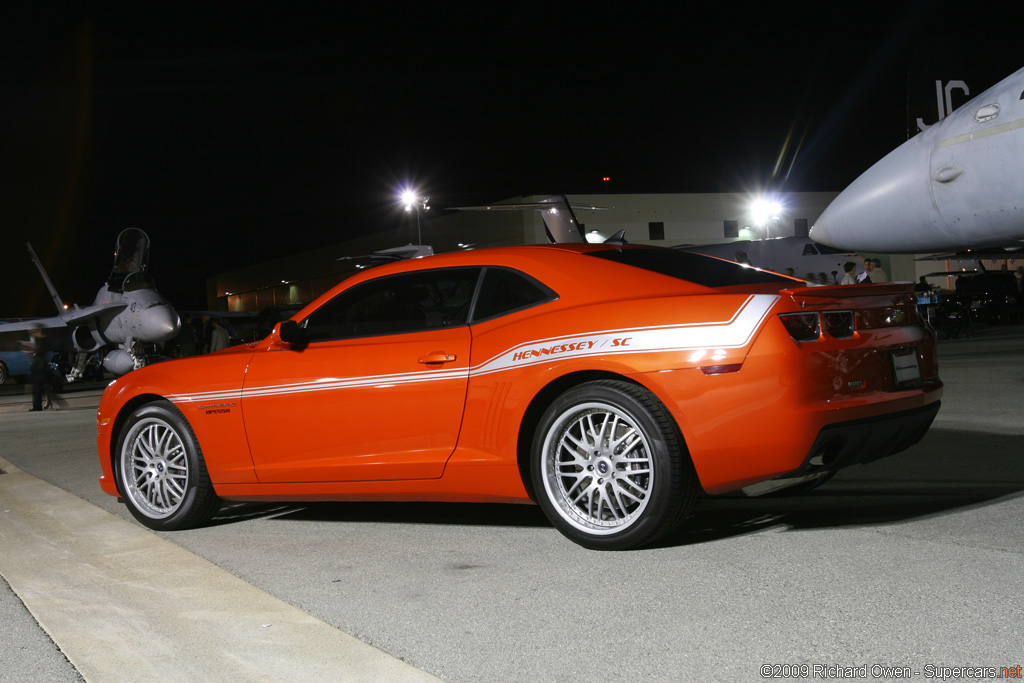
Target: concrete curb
[{"x": 125, "y": 605}]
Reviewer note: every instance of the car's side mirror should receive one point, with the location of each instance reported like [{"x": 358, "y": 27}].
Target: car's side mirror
[{"x": 290, "y": 332}]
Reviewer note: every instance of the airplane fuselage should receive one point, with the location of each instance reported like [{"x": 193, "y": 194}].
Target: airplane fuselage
[
  {"x": 147, "y": 316},
  {"x": 957, "y": 185}
]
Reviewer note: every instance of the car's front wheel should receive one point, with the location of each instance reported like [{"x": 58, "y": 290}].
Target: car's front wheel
[
  {"x": 609, "y": 466},
  {"x": 161, "y": 471}
]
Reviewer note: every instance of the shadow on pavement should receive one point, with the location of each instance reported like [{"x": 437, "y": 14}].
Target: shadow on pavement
[
  {"x": 947, "y": 472},
  {"x": 462, "y": 514}
]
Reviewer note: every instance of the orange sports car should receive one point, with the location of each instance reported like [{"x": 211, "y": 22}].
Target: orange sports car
[{"x": 609, "y": 384}]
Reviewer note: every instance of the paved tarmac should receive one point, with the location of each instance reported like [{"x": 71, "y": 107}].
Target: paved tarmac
[
  {"x": 917, "y": 560},
  {"x": 17, "y": 398}
]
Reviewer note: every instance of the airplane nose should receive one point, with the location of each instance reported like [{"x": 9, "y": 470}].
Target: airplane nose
[
  {"x": 160, "y": 323},
  {"x": 819, "y": 231},
  {"x": 850, "y": 217},
  {"x": 886, "y": 209}
]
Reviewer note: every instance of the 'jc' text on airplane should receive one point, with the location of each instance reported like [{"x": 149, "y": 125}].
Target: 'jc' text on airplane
[
  {"x": 957, "y": 185},
  {"x": 127, "y": 312}
]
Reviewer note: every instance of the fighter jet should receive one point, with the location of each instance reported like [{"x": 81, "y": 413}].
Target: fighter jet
[
  {"x": 957, "y": 185},
  {"x": 127, "y": 312}
]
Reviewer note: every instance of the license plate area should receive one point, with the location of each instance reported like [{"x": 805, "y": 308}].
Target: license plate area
[{"x": 905, "y": 370}]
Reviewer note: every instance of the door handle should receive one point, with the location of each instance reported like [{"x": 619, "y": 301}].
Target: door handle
[{"x": 437, "y": 357}]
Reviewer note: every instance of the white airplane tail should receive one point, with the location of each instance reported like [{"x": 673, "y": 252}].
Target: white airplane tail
[{"x": 556, "y": 211}]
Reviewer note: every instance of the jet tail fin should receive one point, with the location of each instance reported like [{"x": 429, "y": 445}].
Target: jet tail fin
[
  {"x": 556, "y": 211},
  {"x": 46, "y": 278},
  {"x": 560, "y": 221}
]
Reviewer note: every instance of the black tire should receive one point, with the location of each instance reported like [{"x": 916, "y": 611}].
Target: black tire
[
  {"x": 3, "y": 372},
  {"x": 615, "y": 494},
  {"x": 161, "y": 472}
]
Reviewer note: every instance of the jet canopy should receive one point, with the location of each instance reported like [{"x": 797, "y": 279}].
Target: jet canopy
[{"x": 131, "y": 255}]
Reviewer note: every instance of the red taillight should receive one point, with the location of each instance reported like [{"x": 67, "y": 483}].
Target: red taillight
[
  {"x": 838, "y": 324},
  {"x": 802, "y": 327}
]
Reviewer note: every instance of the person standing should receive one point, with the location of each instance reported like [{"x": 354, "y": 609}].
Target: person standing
[
  {"x": 219, "y": 338},
  {"x": 877, "y": 274},
  {"x": 850, "y": 274},
  {"x": 866, "y": 275},
  {"x": 205, "y": 329},
  {"x": 188, "y": 340},
  {"x": 34, "y": 348}
]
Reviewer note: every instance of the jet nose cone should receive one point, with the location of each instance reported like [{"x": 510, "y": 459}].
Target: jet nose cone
[
  {"x": 885, "y": 208},
  {"x": 160, "y": 323},
  {"x": 819, "y": 231}
]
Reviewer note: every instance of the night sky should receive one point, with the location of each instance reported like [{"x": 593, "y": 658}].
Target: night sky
[{"x": 234, "y": 138}]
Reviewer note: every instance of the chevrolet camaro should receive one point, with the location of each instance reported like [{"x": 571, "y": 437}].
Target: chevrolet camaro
[{"x": 608, "y": 384}]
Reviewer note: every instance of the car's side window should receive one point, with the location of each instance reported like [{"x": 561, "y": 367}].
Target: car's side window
[
  {"x": 505, "y": 290},
  {"x": 394, "y": 304}
]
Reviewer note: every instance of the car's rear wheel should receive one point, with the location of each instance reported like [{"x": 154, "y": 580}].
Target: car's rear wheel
[
  {"x": 610, "y": 468},
  {"x": 3, "y": 372},
  {"x": 161, "y": 471}
]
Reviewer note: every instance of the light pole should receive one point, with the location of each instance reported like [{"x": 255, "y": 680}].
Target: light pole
[{"x": 413, "y": 201}]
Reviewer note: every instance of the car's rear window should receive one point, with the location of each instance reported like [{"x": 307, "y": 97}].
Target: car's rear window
[{"x": 696, "y": 268}]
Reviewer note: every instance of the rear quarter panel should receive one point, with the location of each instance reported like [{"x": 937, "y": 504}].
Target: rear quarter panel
[
  {"x": 761, "y": 421},
  {"x": 657, "y": 342}
]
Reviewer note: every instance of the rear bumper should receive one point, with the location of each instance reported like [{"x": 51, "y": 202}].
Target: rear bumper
[{"x": 843, "y": 444}]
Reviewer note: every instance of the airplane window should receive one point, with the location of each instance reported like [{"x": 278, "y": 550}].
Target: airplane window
[
  {"x": 130, "y": 256},
  {"x": 505, "y": 290},
  {"x": 987, "y": 113},
  {"x": 396, "y": 304}
]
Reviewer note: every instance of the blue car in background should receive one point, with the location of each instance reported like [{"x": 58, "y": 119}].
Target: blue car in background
[{"x": 14, "y": 362}]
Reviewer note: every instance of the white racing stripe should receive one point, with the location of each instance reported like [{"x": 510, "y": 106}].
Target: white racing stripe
[
  {"x": 324, "y": 384},
  {"x": 734, "y": 332}
]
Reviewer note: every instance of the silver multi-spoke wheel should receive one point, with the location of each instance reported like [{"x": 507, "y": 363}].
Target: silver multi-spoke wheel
[
  {"x": 156, "y": 468},
  {"x": 609, "y": 467},
  {"x": 598, "y": 468},
  {"x": 160, "y": 469}
]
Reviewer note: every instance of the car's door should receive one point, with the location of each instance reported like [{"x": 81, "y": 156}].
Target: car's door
[{"x": 377, "y": 389}]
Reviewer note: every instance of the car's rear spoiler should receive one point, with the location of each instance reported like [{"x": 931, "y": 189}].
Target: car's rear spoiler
[{"x": 850, "y": 291}]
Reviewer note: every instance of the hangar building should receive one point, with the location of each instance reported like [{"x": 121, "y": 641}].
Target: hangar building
[{"x": 660, "y": 219}]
